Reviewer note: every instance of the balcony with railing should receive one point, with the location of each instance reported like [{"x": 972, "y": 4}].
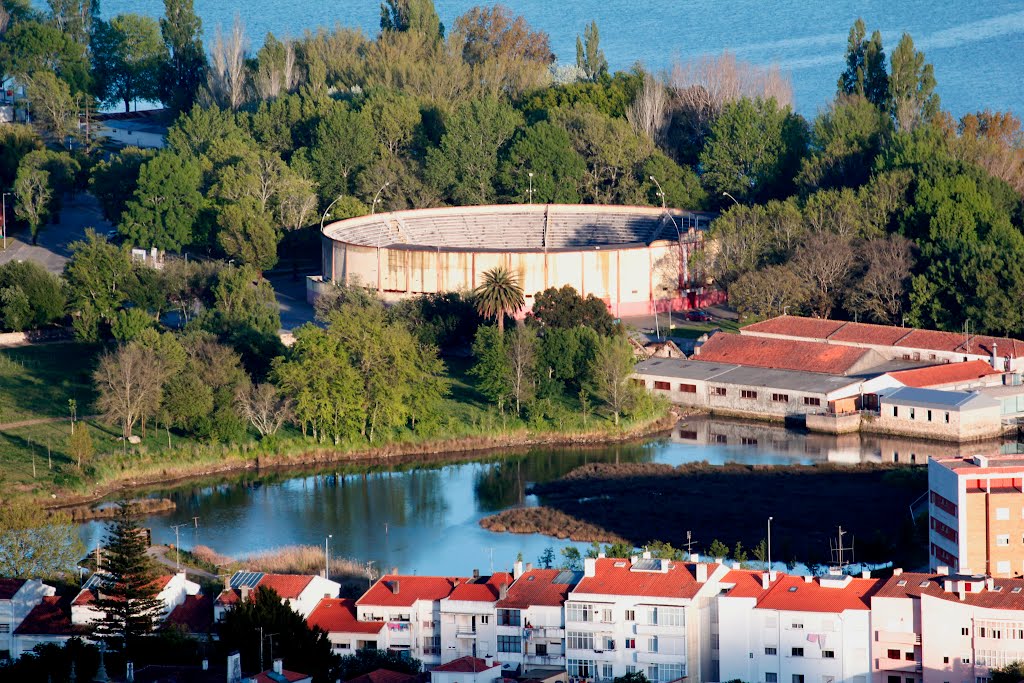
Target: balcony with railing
[
  {"x": 643, "y": 657},
  {"x": 897, "y": 665},
  {"x": 658, "y": 629},
  {"x": 898, "y": 637}
]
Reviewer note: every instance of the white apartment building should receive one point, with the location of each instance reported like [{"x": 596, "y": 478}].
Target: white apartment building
[
  {"x": 337, "y": 618},
  {"x": 794, "y": 629},
  {"x": 641, "y": 614},
  {"x": 17, "y": 598},
  {"x": 301, "y": 592},
  {"x": 172, "y": 589},
  {"x": 410, "y": 606},
  {"x": 468, "y": 624},
  {"x": 531, "y": 618}
]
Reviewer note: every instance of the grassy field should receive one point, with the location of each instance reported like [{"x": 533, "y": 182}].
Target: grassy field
[{"x": 36, "y": 383}]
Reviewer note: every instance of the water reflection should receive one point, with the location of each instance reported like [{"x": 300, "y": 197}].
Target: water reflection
[{"x": 424, "y": 517}]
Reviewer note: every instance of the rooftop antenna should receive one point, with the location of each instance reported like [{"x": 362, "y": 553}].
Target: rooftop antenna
[
  {"x": 490, "y": 554},
  {"x": 689, "y": 542},
  {"x": 840, "y": 558}
]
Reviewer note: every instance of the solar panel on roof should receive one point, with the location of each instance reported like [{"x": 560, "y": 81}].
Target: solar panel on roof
[
  {"x": 647, "y": 565},
  {"x": 93, "y": 581},
  {"x": 249, "y": 579},
  {"x": 566, "y": 577},
  {"x": 1016, "y": 590}
]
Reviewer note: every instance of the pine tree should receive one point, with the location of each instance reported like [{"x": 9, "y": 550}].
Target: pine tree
[
  {"x": 589, "y": 55},
  {"x": 865, "y": 72},
  {"x": 127, "y": 594}
]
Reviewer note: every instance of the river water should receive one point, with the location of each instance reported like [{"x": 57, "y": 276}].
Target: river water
[
  {"x": 425, "y": 518},
  {"x": 977, "y": 47}
]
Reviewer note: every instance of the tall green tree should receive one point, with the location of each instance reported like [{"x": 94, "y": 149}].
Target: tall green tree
[
  {"x": 465, "y": 164},
  {"x": 542, "y": 166},
  {"x": 499, "y": 294},
  {"x": 865, "y": 73},
  {"x": 912, "y": 96},
  {"x": 754, "y": 151},
  {"x": 33, "y": 46},
  {"x": 185, "y": 69},
  {"x": 246, "y": 233},
  {"x": 411, "y": 15},
  {"x": 42, "y": 292},
  {"x": 114, "y": 180},
  {"x": 492, "y": 369},
  {"x": 54, "y": 106},
  {"x": 565, "y": 308},
  {"x": 844, "y": 142},
  {"x": 590, "y": 57},
  {"x": 344, "y": 144},
  {"x": 127, "y": 590},
  {"x": 166, "y": 204},
  {"x": 34, "y": 545},
  {"x": 97, "y": 274},
  {"x": 34, "y": 193},
  {"x": 75, "y": 18},
  {"x": 127, "y": 58},
  {"x": 610, "y": 372}
]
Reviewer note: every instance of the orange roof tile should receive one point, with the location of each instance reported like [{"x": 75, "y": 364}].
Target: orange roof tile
[
  {"x": 781, "y": 354},
  {"x": 536, "y": 587},
  {"x": 1003, "y": 598},
  {"x": 51, "y": 617},
  {"x": 947, "y": 373},
  {"x": 616, "y": 577},
  {"x": 1004, "y": 346},
  {"x": 933, "y": 340},
  {"x": 338, "y": 615},
  {"x": 746, "y": 583},
  {"x": 466, "y": 665},
  {"x": 9, "y": 587},
  {"x": 288, "y": 586},
  {"x": 484, "y": 589},
  {"x": 403, "y": 591},
  {"x": 796, "y": 326},
  {"x": 868, "y": 333},
  {"x": 795, "y": 594}
]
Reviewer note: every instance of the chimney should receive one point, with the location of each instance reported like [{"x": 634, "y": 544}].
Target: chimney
[
  {"x": 529, "y": 566},
  {"x": 702, "y": 572},
  {"x": 735, "y": 565},
  {"x": 694, "y": 557},
  {"x": 647, "y": 554},
  {"x": 866, "y": 574},
  {"x": 489, "y": 661},
  {"x": 244, "y": 590},
  {"x": 589, "y": 567},
  {"x": 476, "y": 573},
  {"x": 765, "y": 581},
  {"x": 664, "y": 565},
  {"x": 633, "y": 559},
  {"x": 947, "y": 586},
  {"x": 719, "y": 560},
  {"x": 995, "y": 357},
  {"x": 503, "y": 591},
  {"x": 279, "y": 667},
  {"x": 897, "y": 572},
  {"x": 990, "y": 583},
  {"x": 517, "y": 569},
  {"x": 227, "y": 583},
  {"x": 395, "y": 587},
  {"x": 808, "y": 579},
  {"x": 394, "y": 571},
  {"x": 601, "y": 555},
  {"x": 941, "y": 571}
]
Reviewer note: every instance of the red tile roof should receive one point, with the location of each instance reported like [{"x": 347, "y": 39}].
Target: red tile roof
[
  {"x": 1003, "y": 598},
  {"x": 933, "y": 340},
  {"x": 195, "y": 614},
  {"x": 795, "y": 326},
  {"x": 867, "y": 333},
  {"x": 383, "y": 676},
  {"x": 51, "y": 617},
  {"x": 948, "y": 373},
  {"x": 336, "y": 615},
  {"x": 484, "y": 589},
  {"x": 87, "y": 596},
  {"x": 287, "y": 587},
  {"x": 1004, "y": 346},
  {"x": 286, "y": 675},
  {"x": 8, "y": 587},
  {"x": 409, "y": 590},
  {"x": 535, "y": 587},
  {"x": 781, "y": 354},
  {"x": 746, "y": 583},
  {"x": 795, "y": 594},
  {"x": 616, "y": 577},
  {"x": 466, "y": 665}
]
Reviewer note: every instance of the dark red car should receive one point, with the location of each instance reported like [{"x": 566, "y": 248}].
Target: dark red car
[{"x": 698, "y": 316}]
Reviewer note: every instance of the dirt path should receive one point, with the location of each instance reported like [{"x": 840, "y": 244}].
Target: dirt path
[
  {"x": 159, "y": 554},
  {"x": 41, "y": 421}
]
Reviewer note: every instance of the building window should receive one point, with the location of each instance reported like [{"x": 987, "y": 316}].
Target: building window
[
  {"x": 945, "y": 660},
  {"x": 747, "y": 393},
  {"x": 748, "y": 441},
  {"x": 511, "y": 617},
  {"x": 798, "y": 678},
  {"x": 909, "y": 656},
  {"x": 966, "y": 660},
  {"x": 663, "y": 386},
  {"x": 797, "y": 652},
  {"x": 893, "y": 654},
  {"x": 719, "y": 391},
  {"x": 929, "y": 416},
  {"x": 662, "y": 673},
  {"x": 911, "y": 413},
  {"x": 666, "y": 616},
  {"x": 688, "y": 388},
  {"x": 581, "y": 668},
  {"x": 714, "y": 641},
  {"x": 608, "y": 643},
  {"x": 630, "y": 643},
  {"x": 606, "y": 671},
  {"x": 812, "y": 401},
  {"x": 796, "y": 626},
  {"x": 579, "y": 640},
  {"x": 895, "y": 411},
  {"x": 630, "y": 615},
  {"x": 965, "y": 631},
  {"x": 771, "y": 677},
  {"x": 541, "y": 649},
  {"x": 576, "y": 611},
  {"x": 1003, "y": 567},
  {"x": 947, "y": 418},
  {"x": 431, "y": 645},
  {"x": 606, "y": 616},
  {"x": 780, "y": 398},
  {"x": 1003, "y": 539},
  {"x": 510, "y": 644},
  {"x": 485, "y": 618},
  {"x": 1002, "y": 513},
  {"x": 771, "y": 651},
  {"x": 652, "y": 644},
  {"x": 894, "y": 679},
  {"x": 828, "y": 654},
  {"x": 720, "y": 438},
  {"x": 631, "y": 668}
]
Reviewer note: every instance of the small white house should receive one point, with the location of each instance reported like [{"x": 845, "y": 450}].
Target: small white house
[
  {"x": 172, "y": 589},
  {"x": 301, "y": 592},
  {"x": 467, "y": 670}
]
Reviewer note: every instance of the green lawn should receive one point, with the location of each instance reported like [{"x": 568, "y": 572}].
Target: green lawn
[{"x": 37, "y": 381}]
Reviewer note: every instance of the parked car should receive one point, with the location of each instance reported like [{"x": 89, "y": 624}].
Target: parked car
[{"x": 699, "y": 316}]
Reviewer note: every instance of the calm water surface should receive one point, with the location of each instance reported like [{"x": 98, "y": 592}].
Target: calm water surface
[
  {"x": 977, "y": 47},
  {"x": 425, "y": 519}
]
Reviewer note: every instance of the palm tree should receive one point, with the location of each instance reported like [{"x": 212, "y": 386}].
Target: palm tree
[{"x": 499, "y": 294}]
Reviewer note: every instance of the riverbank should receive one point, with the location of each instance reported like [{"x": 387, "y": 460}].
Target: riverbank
[
  {"x": 128, "y": 476},
  {"x": 644, "y": 502}
]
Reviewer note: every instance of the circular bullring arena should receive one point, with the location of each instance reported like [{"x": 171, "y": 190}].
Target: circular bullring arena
[{"x": 633, "y": 258}]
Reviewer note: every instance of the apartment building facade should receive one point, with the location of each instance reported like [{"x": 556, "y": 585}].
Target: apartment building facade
[
  {"x": 468, "y": 618},
  {"x": 777, "y": 628},
  {"x": 641, "y": 615},
  {"x": 531, "y": 618}
]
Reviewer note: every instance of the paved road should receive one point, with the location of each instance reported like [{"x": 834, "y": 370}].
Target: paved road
[
  {"x": 290, "y": 291},
  {"x": 52, "y": 252},
  {"x": 160, "y": 554}
]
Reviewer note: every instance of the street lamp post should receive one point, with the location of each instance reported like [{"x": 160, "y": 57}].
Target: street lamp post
[
  {"x": 327, "y": 557},
  {"x": 376, "y": 198},
  {"x": 327, "y": 211},
  {"x": 177, "y": 546},
  {"x": 769, "y": 548},
  {"x": 726, "y": 194},
  {"x": 3, "y": 200},
  {"x": 679, "y": 239},
  {"x": 531, "y": 186}
]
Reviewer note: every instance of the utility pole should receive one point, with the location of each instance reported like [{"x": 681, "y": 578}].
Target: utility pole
[
  {"x": 327, "y": 557},
  {"x": 177, "y": 545},
  {"x": 531, "y": 186},
  {"x": 3, "y": 200},
  {"x": 769, "y": 548}
]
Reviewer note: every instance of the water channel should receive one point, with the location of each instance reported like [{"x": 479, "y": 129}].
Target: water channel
[{"x": 424, "y": 517}]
